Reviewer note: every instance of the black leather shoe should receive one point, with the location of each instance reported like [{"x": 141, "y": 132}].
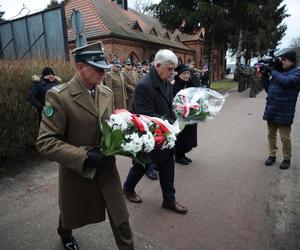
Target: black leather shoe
[
  {"x": 132, "y": 196},
  {"x": 182, "y": 161},
  {"x": 70, "y": 243},
  {"x": 285, "y": 164},
  {"x": 187, "y": 158},
  {"x": 175, "y": 207},
  {"x": 151, "y": 175},
  {"x": 270, "y": 160}
]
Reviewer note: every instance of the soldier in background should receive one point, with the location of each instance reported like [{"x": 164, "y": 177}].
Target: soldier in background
[
  {"x": 115, "y": 80},
  {"x": 130, "y": 82},
  {"x": 138, "y": 73},
  {"x": 146, "y": 66}
]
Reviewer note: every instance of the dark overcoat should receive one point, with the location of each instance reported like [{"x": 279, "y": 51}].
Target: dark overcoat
[
  {"x": 282, "y": 89},
  {"x": 153, "y": 97},
  {"x": 187, "y": 138},
  {"x": 37, "y": 92},
  {"x": 67, "y": 131}
]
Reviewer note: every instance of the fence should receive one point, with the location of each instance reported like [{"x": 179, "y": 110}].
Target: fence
[{"x": 41, "y": 35}]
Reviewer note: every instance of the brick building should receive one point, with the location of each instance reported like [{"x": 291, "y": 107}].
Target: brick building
[{"x": 126, "y": 33}]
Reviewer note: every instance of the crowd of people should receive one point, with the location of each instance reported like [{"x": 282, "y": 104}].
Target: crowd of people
[{"x": 70, "y": 134}]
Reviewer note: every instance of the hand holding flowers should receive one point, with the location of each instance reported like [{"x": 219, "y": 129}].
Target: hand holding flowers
[{"x": 136, "y": 135}]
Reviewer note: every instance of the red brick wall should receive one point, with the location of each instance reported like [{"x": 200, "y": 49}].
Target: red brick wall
[{"x": 122, "y": 49}]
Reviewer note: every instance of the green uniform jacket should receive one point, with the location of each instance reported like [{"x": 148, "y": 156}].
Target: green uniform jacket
[
  {"x": 130, "y": 84},
  {"x": 116, "y": 82},
  {"x": 68, "y": 128}
]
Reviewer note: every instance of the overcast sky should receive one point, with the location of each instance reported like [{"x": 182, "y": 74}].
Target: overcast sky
[{"x": 13, "y": 7}]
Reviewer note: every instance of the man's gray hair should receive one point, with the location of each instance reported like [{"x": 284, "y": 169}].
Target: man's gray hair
[{"x": 165, "y": 56}]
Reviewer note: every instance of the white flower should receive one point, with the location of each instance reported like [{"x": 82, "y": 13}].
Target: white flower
[
  {"x": 148, "y": 141},
  {"x": 120, "y": 121},
  {"x": 170, "y": 141},
  {"x": 134, "y": 145}
]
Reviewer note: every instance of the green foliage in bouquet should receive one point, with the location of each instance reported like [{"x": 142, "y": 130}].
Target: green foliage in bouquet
[{"x": 111, "y": 141}]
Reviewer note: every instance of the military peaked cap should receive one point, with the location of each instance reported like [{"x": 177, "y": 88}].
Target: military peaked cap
[{"x": 92, "y": 54}]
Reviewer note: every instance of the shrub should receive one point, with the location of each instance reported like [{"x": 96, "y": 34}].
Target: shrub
[{"x": 18, "y": 119}]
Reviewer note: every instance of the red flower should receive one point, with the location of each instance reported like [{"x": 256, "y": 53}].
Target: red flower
[
  {"x": 159, "y": 140},
  {"x": 138, "y": 123},
  {"x": 158, "y": 132}
]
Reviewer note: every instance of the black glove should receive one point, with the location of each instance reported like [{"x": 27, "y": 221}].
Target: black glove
[{"x": 94, "y": 158}]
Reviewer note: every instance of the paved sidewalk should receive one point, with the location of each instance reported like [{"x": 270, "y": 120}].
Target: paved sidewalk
[{"x": 234, "y": 201}]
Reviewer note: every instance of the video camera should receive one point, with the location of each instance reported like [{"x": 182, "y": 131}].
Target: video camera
[{"x": 274, "y": 62}]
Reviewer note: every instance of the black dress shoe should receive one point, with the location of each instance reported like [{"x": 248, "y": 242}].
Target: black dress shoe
[
  {"x": 132, "y": 196},
  {"x": 175, "y": 207},
  {"x": 70, "y": 243},
  {"x": 187, "y": 158},
  {"x": 285, "y": 164},
  {"x": 182, "y": 161},
  {"x": 270, "y": 160},
  {"x": 151, "y": 175}
]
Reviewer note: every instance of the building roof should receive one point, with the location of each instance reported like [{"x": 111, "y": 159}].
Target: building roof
[{"x": 104, "y": 18}]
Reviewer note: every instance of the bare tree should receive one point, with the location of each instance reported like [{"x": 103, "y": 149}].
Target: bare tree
[
  {"x": 295, "y": 45},
  {"x": 142, "y": 6},
  {"x": 295, "y": 42}
]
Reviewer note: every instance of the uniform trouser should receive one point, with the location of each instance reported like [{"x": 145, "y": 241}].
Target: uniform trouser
[
  {"x": 166, "y": 178},
  {"x": 285, "y": 136},
  {"x": 122, "y": 233}
]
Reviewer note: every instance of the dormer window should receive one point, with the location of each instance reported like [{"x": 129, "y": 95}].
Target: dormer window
[
  {"x": 135, "y": 26},
  {"x": 153, "y": 32},
  {"x": 167, "y": 36}
]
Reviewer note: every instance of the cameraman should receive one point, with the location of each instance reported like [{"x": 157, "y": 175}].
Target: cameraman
[{"x": 282, "y": 85}]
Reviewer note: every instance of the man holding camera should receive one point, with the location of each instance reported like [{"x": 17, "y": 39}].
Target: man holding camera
[{"x": 282, "y": 83}]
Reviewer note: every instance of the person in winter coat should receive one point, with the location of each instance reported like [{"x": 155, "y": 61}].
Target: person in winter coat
[
  {"x": 187, "y": 139},
  {"x": 89, "y": 182},
  {"x": 282, "y": 87},
  {"x": 37, "y": 93},
  {"x": 205, "y": 78},
  {"x": 194, "y": 78},
  {"x": 153, "y": 97}
]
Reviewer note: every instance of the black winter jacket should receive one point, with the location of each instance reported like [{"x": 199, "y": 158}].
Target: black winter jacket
[{"x": 153, "y": 97}]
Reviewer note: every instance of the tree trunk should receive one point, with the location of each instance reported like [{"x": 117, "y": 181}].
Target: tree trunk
[
  {"x": 238, "y": 56},
  {"x": 209, "y": 57}
]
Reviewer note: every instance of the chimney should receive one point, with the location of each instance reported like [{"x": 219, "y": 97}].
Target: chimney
[{"x": 122, "y": 3}]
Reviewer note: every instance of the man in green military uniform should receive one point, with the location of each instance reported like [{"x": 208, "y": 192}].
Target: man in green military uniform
[
  {"x": 138, "y": 73},
  {"x": 116, "y": 82},
  {"x": 89, "y": 183},
  {"x": 130, "y": 82}
]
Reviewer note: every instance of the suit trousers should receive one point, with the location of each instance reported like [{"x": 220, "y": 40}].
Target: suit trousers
[
  {"x": 285, "y": 136},
  {"x": 122, "y": 233},
  {"x": 166, "y": 177}
]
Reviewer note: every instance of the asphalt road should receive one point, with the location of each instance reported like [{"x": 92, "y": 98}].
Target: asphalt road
[{"x": 234, "y": 201}]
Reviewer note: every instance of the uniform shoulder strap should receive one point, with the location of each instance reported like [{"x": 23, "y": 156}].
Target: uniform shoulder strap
[{"x": 59, "y": 88}]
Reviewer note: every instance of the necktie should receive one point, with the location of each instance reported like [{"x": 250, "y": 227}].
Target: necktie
[{"x": 93, "y": 94}]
